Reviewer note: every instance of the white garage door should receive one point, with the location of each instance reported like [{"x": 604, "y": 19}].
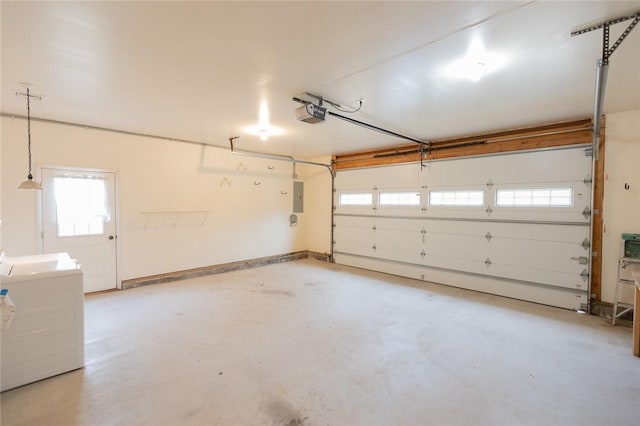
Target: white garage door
[{"x": 515, "y": 225}]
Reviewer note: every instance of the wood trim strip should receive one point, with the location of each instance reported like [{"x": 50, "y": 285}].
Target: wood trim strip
[
  {"x": 552, "y": 135},
  {"x": 221, "y": 268},
  {"x": 596, "y": 236}
]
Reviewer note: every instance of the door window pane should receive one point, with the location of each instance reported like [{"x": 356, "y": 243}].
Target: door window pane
[{"x": 81, "y": 205}]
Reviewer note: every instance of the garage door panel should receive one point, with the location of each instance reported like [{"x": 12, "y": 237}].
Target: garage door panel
[
  {"x": 580, "y": 214},
  {"x": 543, "y": 232},
  {"x": 408, "y": 253},
  {"x": 459, "y": 246},
  {"x": 534, "y": 274},
  {"x": 398, "y": 239},
  {"x": 353, "y": 221},
  {"x": 400, "y": 224},
  {"x": 554, "y": 296},
  {"x": 406, "y": 175},
  {"x": 544, "y": 166},
  {"x": 551, "y": 255},
  {"x": 454, "y": 263},
  {"x": 559, "y": 164},
  {"x": 570, "y": 217},
  {"x": 541, "y": 245},
  {"x": 353, "y": 240}
]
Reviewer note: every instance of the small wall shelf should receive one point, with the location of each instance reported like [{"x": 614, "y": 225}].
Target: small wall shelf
[{"x": 175, "y": 215}]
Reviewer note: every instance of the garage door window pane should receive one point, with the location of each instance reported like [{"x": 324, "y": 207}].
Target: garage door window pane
[
  {"x": 535, "y": 197},
  {"x": 356, "y": 199},
  {"x": 399, "y": 199},
  {"x": 456, "y": 198}
]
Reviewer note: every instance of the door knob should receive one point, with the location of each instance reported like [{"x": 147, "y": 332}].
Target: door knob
[{"x": 111, "y": 237}]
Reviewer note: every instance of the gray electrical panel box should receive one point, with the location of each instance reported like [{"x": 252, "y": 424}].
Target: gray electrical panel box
[{"x": 298, "y": 197}]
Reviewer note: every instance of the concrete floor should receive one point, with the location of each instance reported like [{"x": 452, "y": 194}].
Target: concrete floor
[{"x": 309, "y": 343}]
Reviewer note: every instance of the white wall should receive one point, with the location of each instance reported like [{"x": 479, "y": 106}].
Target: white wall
[
  {"x": 246, "y": 220},
  {"x": 621, "y": 210}
]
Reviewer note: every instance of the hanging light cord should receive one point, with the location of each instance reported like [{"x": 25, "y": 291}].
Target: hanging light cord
[{"x": 30, "y": 176}]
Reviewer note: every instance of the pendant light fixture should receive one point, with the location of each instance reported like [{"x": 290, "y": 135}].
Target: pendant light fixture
[{"x": 29, "y": 183}]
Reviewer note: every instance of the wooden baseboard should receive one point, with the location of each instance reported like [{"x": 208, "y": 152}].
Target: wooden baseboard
[{"x": 222, "y": 268}]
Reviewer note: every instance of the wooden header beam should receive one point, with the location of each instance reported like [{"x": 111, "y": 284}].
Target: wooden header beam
[{"x": 560, "y": 134}]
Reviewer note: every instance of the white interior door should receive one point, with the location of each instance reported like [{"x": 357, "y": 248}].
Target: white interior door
[{"x": 78, "y": 217}]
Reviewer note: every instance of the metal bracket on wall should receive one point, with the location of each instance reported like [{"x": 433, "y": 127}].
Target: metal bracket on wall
[
  {"x": 606, "y": 51},
  {"x": 602, "y": 68}
]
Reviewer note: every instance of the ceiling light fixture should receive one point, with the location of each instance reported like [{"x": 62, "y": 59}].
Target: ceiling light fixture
[
  {"x": 29, "y": 183},
  {"x": 475, "y": 64},
  {"x": 263, "y": 129}
]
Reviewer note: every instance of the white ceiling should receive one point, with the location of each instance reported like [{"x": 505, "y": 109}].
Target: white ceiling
[{"x": 200, "y": 70}]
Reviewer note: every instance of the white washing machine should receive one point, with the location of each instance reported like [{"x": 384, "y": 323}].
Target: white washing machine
[{"x": 46, "y": 337}]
